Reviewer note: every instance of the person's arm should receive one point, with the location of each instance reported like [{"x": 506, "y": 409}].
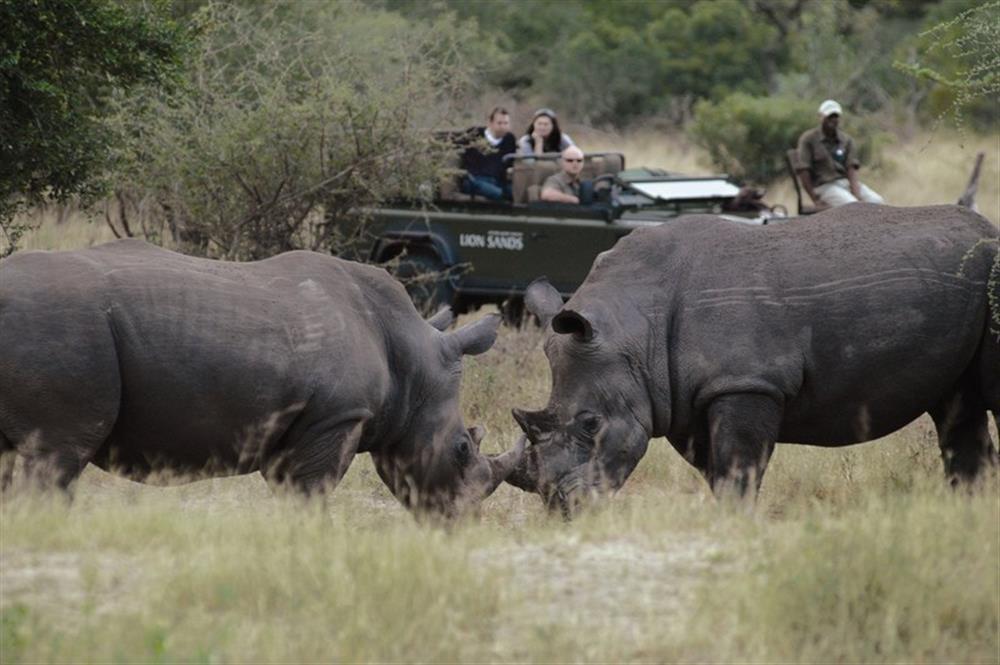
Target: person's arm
[
  {"x": 803, "y": 169},
  {"x": 538, "y": 142},
  {"x": 524, "y": 146},
  {"x": 852, "y": 169},
  {"x": 852, "y": 180},
  {"x": 807, "y": 184},
  {"x": 555, "y": 196}
]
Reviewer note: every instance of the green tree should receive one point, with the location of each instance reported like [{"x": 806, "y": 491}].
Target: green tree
[
  {"x": 294, "y": 116},
  {"x": 958, "y": 53},
  {"x": 60, "y": 65},
  {"x": 716, "y": 49}
]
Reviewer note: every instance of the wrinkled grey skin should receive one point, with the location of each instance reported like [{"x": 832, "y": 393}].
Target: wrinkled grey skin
[
  {"x": 141, "y": 360},
  {"x": 725, "y": 338}
]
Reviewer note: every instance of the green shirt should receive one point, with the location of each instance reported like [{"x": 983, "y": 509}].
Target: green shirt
[
  {"x": 562, "y": 183},
  {"x": 826, "y": 159}
]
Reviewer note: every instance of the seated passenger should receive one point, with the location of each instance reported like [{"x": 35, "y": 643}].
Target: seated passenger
[
  {"x": 564, "y": 187},
  {"x": 543, "y": 135},
  {"x": 828, "y": 163},
  {"x": 486, "y": 172}
]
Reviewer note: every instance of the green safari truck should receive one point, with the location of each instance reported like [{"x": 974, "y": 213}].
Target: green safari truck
[{"x": 465, "y": 252}]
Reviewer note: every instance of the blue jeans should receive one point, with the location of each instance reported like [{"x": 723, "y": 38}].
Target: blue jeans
[{"x": 486, "y": 186}]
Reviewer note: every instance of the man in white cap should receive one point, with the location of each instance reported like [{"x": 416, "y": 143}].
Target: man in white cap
[{"x": 828, "y": 164}]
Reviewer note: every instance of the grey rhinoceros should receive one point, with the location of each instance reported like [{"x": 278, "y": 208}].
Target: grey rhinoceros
[
  {"x": 725, "y": 338},
  {"x": 139, "y": 360}
]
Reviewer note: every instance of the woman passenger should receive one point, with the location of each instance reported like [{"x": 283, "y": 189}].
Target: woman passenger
[{"x": 543, "y": 135}]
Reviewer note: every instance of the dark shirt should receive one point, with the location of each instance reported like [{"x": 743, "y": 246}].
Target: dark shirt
[
  {"x": 481, "y": 159},
  {"x": 826, "y": 158}
]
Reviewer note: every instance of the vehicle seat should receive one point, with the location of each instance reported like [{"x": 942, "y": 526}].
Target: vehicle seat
[
  {"x": 528, "y": 177},
  {"x": 614, "y": 162},
  {"x": 607, "y": 163},
  {"x": 593, "y": 166}
]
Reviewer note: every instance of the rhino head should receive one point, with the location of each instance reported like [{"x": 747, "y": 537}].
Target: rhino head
[
  {"x": 436, "y": 465},
  {"x": 598, "y": 421}
]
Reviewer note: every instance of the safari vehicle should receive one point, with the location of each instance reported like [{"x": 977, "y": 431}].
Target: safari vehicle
[{"x": 465, "y": 251}]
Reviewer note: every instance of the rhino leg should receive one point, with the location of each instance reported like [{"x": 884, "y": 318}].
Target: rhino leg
[
  {"x": 60, "y": 388},
  {"x": 55, "y": 457},
  {"x": 54, "y": 466},
  {"x": 964, "y": 435},
  {"x": 742, "y": 431},
  {"x": 313, "y": 459}
]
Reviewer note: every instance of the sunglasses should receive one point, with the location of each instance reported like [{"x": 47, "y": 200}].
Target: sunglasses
[{"x": 572, "y": 160}]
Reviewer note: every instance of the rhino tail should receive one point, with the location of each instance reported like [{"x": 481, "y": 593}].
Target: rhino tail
[
  {"x": 968, "y": 198},
  {"x": 7, "y": 457}
]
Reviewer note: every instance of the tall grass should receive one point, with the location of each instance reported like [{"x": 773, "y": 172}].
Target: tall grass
[
  {"x": 859, "y": 554},
  {"x": 661, "y": 573}
]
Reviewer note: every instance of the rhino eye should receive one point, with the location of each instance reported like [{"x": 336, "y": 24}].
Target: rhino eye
[
  {"x": 590, "y": 423},
  {"x": 462, "y": 451}
]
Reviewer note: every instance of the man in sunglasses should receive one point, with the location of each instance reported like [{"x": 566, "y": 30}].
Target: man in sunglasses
[{"x": 564, "y": 187}]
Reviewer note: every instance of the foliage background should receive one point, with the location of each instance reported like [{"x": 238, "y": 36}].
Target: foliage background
[
  {"x": 60, "y": 66},
  {"x": 241, "y": 129}
]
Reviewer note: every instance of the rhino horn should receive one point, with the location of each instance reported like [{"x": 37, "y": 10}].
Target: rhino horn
[
  {"x": 572, "y": 322},
  {"x": 503, "y": 465},
  {"x": 542, "y": 300},
  {"x": 443, "y": 319},
  {"x": 475, "y": 338}
]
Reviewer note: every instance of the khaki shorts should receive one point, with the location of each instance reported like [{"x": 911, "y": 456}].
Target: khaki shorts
[{"x": 838, "y": 193}]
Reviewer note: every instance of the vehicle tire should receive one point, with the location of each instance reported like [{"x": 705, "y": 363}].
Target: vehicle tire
[{"x": 423, "y": 276}]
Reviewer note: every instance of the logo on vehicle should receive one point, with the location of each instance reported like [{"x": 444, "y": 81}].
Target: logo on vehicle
[{"x": 509, "y": 240}]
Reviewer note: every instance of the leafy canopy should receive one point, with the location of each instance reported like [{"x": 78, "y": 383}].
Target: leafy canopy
[
  {"x": 292, "y": 117},
  {"x": 60, "y": 65}
]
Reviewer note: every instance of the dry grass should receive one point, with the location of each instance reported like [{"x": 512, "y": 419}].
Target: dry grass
[
  {"x": 852, "y": 555},
  {"x": 858, "y": 555}
]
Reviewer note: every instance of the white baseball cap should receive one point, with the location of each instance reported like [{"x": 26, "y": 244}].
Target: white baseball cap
[{"x": 830, "y": 107}]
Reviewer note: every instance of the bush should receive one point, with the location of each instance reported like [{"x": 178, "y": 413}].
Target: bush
[
  {"x": 293, "y": 116},
  {"x": 60, "y": 65},
  {"x": 705, "y": 51},
  {"x": 957, "y": 53},
  {"x": 747, "y": 136}
]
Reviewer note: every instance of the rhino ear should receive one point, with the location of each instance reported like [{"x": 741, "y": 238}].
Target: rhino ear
[
  {"x": 542, "y": 300},
  {"x": 534, "y": 423},
  {"x": 443, "y": 319},
  {"x": 475, "y": 338},
  {"x": 477, "y": 433},
  {"x": 572, "y": 322}
]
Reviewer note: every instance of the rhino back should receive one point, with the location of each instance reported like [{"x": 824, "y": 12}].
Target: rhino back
[
  {"x": 857, "y": 317},
  {"x": 216, "y": 359}
]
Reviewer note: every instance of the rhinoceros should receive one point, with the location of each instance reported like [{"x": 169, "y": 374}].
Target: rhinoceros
[
  {"x": 725, "y": 338},
  {"x": 141, "y": 360}
]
